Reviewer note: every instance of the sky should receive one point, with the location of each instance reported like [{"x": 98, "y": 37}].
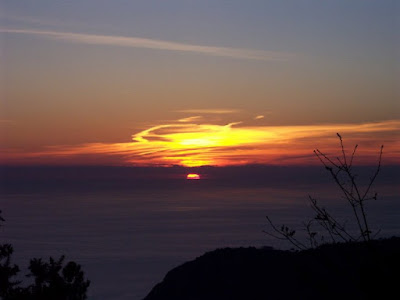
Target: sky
[{"x": 192, "y": 83}]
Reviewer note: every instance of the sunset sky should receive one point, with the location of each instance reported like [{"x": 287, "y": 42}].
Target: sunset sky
[{"x": 197, "y": 82}]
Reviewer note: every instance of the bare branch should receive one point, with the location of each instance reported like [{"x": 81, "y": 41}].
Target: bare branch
[
  {"x": 375, "y": 174},
  {"x": 311, "y": 234},
  {"x": 352, "y": 156},
  {"x": 285, "y": 233},
  {"x": 343, "y": 152},
  {"x": 340, "y": 169}
]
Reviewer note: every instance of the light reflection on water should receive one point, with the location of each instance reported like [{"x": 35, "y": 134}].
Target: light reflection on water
[{"x": 127, "y": 240}]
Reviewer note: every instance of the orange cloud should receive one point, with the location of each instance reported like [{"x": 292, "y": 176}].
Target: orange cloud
[{"x": 185, "y": 143}]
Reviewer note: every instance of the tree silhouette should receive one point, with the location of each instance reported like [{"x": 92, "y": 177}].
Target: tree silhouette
[
  {"x": 51, "y": 280},
  {"x": 7, "y": 272}
]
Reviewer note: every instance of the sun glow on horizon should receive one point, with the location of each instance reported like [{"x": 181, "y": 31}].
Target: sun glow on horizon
[
  {"x": 193, "y": 145},
  {"x": 193, "y": 176}
]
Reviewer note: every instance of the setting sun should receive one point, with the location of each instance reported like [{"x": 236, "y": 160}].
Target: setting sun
[{"x": 192, "y": 176}]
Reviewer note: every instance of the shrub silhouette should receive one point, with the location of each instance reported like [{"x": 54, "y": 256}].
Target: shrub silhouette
[
  {"x": 52, "y": 280},
  {"x": 342, "y": 173},
  {"x": 7, "y": 272}
]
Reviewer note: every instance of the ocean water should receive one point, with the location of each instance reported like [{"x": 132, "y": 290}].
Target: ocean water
[{"x": 128, "y": 236}]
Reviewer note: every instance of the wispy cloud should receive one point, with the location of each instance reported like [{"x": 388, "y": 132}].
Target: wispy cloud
[
  {"x": 209, "y": 111},
  {"x": 196, "y": 144},
  {"x": 190, "y": 119},
  {"x": 6, "y": 122},
  {"x": 138, "y": 42}
]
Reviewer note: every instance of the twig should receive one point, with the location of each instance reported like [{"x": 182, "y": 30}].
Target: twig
[{"x": 342, "y": 174}]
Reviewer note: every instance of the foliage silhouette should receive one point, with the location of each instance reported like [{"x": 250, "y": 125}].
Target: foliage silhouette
[
  {"x": 7, "y": 272},
  {"x": 342, "y": 172},
  {"x": 51, "y": 280}
]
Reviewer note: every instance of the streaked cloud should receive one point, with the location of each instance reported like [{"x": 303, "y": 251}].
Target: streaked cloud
[
  {"x": 209, "y": 111},
  {"x": 190, "y": 144},
  {"x": 138, "y": 42},
  {"x": 190, "y": 119},
  {"x": 6, "y": 122},
  {"x": 258, "y": 117}
]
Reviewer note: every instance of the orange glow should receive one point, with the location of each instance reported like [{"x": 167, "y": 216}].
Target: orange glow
[
  {"x": 185, "y": 143},
  {"x": 193, "y": 176}
]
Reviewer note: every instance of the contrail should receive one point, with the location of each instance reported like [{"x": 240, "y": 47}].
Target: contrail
[{"x": 137, "y": 42}]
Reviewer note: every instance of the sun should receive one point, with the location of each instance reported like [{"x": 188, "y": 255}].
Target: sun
[{"x": 193, "y": 176}]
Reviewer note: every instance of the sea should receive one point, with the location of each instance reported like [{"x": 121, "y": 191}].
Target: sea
[{"x": 128, "y": 227}]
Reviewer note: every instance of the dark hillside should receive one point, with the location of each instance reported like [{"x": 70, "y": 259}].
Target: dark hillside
[{"x": 340, "y": 271}]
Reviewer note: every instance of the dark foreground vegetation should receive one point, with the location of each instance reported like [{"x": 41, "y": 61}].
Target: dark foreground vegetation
[
  {"x": 354, "y": 270},
  {"x": 52, "y": 280}
]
